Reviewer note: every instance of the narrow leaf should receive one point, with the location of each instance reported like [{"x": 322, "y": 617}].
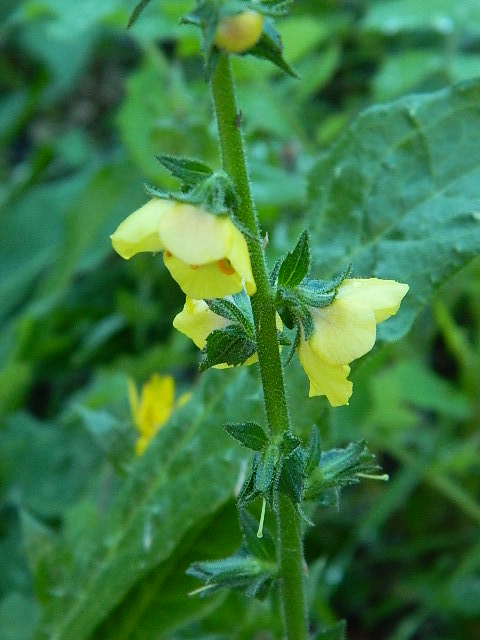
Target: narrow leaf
[
  {"x": 296, "y": 263},
  {"x": 136, "y": 12}
]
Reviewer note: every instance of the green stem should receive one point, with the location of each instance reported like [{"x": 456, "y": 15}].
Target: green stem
[{"x": 271, "y": 371}]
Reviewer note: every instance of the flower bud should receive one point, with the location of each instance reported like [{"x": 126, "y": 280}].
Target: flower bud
[{"x": 238, "y": 33}]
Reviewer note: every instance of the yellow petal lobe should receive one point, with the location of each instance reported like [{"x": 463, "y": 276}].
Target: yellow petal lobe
[{"x": 139, "y": 232}]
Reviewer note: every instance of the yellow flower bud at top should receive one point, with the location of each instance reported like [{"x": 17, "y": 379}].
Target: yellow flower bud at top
[
  {"x": 236, "y": 34},
  {"x": 205, "y": 253},
  {"x": 344, "y": 331}
]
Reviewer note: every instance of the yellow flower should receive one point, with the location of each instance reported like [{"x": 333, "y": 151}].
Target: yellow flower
[
  {"x": 344, "y": 331},
  {"x": 206, "y": 254},
  {"x": 238, "y": 33},
  {"x": 196, "y": 320},
  {"x": 154, "y": 407}
]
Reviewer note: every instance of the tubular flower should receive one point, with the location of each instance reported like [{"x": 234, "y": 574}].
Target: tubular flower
[
  {"x": 196, "y": 320},
  {"x": 154, "y": 407},
  {"x": 206, "y": 254},
  {"x": 238, "y": 33},
  {"x": 344, "y": 331}
]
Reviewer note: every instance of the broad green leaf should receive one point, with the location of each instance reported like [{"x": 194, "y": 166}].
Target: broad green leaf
[
  {"x": 398, "y": 196},
  {"x": 442, "y": 16},
  {"x": 296, "y": 263},
  {"x": 250, "y": 434},
  {"x": 187, "y": 473}
]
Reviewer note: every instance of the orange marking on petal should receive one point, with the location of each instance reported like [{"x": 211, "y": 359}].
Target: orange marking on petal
[
  {"x": 194, "y": 266},
  {"x": 225, "y": 266},
  {"x": 168, "y": 254}
]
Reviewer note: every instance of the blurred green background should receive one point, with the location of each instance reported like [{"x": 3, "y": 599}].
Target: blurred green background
[{"x": 84, "y": 107}]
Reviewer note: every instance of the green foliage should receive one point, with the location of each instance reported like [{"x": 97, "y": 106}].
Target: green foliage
[{"x": 94, "y": 542}]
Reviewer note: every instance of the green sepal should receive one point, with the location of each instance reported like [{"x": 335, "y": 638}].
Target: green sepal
[
  {"x": 293, "y": 311},
  {"x": 339, "y": 468},
  {"x": 188, "y": 170},
  {"x": 321, "y": 293},
  {"x": 229, "y": 345},
  {"x": 269, "y": 47},
  {"x": 229, "y": 310},
  {"x": 266, "y": 465},
  {"x": 292, "y": 476},
  {"x": 262, "y": 548},
  {"x": 289, "y": 443},
  {"x": 248, "y": 492},
  {"x": 241, "y": 571},
  {"x": 296, "y": 264},
  {"x": 140, "y": 6},
  {"x": 313, "y": 451},
  {"x": 249, "y": 434}
]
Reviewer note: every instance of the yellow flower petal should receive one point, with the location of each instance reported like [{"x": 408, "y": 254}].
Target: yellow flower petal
[
  {"x": 325, "y": 379},
  {"x": 382, "y": 296},
  {"x": 195, "y": 236},
  {"x": 342, "y": 332},
  {"x": 196, "y": 321},
  {"x": 203, "y": 281},
  {"x": 139, "y": 232}
]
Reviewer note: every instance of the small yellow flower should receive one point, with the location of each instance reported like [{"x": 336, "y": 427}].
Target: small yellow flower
[
  {"x": 196, "y": 320},
  {"x": 238, "y": 33},
  {"x": 344, "y": 331},
  {"x": 206, "y": 254},
  {"x": 154, "y": 407}
]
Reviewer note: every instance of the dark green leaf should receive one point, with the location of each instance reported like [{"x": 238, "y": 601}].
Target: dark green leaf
[
  {"x": 188, "y": 170},
  {"x": 313, "y": 451},
  {"x": 250, "y": 434},
  {"x": 270, "y": 47},
  {"x": 230, "y": 345},
  {"x": 230, "y": 311},
  {"x": 266, "y": 466},
  {"x": 264, "y": 547},
  {"x": 289, "y": 443},
  {"x": 296, "y": 263},
  {"x": 292, "y": 476},
  {"x": 335, "y": 632},
  {"x": 401, "y": 189}
]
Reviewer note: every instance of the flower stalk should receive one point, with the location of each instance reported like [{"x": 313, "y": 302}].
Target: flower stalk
[{"x": 290, "y": 549}]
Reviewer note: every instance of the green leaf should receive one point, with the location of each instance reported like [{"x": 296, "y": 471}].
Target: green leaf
[
  {"x": 136, "y": 12},
  {"x": 270, "y": 47},
  {"x": 163, "y": 498},
  {"x": 296, "y": 263},
  {"x": 398, "y": 196},
  {"x": 265, "y": 468},
  {"x": 230, "y": 311},
  {"x": 313, "y": 451},
  {"x": 230, "y": 345},
  {"x": 188, "y": 170},
  {"x": 292, "y": 476},
  {"x": 250, "y": 434},
  {"x": 264, "y": 547}
]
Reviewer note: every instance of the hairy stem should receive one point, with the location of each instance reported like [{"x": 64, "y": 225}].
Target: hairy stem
[{"x": 234, "y": 163}]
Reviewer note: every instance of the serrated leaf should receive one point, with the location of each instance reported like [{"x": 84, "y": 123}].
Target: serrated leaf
[
  {"x": 230, "y": 345},
  {"x": 399, "y": 195},
  {"x": 296, "y": 263},
  {"x": 289, "y": 443},
  {"x": 250, "y": 434},
  {"x": 188, "y": 170}
]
